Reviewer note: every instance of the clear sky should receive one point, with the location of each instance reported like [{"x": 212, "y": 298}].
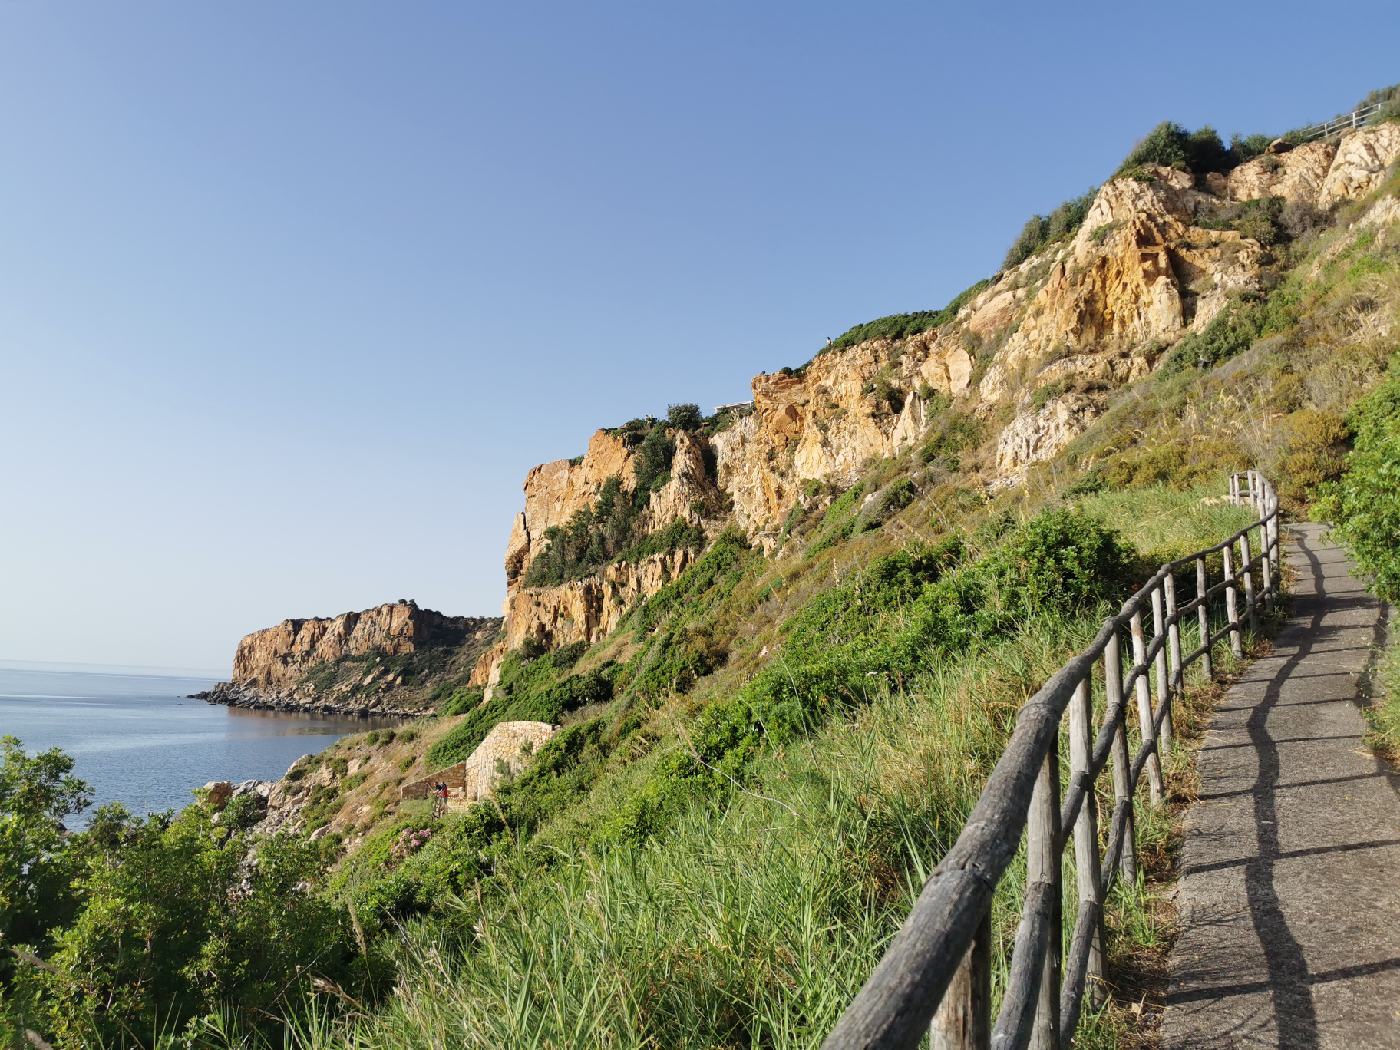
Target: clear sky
[{"x": 293, "y": 294}]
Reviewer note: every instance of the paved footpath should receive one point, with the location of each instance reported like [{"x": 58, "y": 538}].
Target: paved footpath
[{"x": 1290, "y": 890}]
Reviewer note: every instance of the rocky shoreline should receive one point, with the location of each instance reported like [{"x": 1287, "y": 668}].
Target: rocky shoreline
[{"x": 231, "y": 694}]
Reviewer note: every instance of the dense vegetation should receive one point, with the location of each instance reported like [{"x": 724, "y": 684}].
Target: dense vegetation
[
  {"x": 1364, "y": 503},
  {"x": 154, "y": 926},
  {"x": 1172, "y": 146}
]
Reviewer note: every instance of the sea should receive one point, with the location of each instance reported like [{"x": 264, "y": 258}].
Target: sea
[{"x": 137, "y": 738}]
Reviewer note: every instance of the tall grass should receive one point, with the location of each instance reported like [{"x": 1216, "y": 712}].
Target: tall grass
[
  {"x": 756, "y": 916},
  {"x": 754, "y": 922},
  {"x": 751, "y": 923}
]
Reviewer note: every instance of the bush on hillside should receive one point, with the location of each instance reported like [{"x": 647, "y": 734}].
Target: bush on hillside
[
  {"x": 533, "y": 689},
  {"x": 1363, "y": 504},
  {"x": 1172, "y": 146},
  {"x": 179, "y": 917},
  {"x": 1262, "y": 219},
  {"x": 1247, "y": 147},
  {"x": 1233, "y": 330},
  {"x": 1042, "y": 230},
  {"x": 899, "y": 326},
  {"x": 37, "y": 793},
  {"x": 901, "y": 615},
  {"x": 685, "y": 417}
]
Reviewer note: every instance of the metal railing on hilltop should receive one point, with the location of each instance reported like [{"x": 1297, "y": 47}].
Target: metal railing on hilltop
[
  {"x": 936, "y": 977},
  {"x": 1346, "y": 122}
]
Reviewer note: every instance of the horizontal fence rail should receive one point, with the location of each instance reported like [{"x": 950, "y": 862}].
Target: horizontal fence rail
[
  {"x": 1345, "y": 122},
  {"x": 936, "y": 977}
]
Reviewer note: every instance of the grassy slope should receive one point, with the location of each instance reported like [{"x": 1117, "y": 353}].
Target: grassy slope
[
  {"x": 687, "y": 941},
  {"x": 750, "y": 910}
]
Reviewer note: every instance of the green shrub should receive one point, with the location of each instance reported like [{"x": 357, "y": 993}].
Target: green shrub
[
  {"x": 1261, "y": 219},
  {"x": 1200, "y": 151},
  {"x": 1233, "y": 331},
  {"x": 889, "y": 502},
  {"x": 1042, "y": 230},
  {"x": 685, "y": 416},
  {"x": 898, "y": 326},
  {"x": 951, "y": 434},
  {"x": 1363, "y": 504},
  {"x": 174, "y": 923},
  {"x": 1312, "y": 444},
  {"x": 462, "y": 700},
  {"x": 901, "y": 614},
  {"x": 720, "y": 568},
  {"x": 37, "y": 793},
  {"x": 1247, "y": 147},
  {"x": 534, "y": 689}
]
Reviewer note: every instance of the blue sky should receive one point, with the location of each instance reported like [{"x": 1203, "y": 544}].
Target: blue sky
[{"x": 292, "y": 295}]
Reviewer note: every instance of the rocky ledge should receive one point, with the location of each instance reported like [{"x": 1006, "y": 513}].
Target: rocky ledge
[{"x": 231, "y": 694}]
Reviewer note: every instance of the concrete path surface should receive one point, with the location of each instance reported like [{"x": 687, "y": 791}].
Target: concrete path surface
[{"x": 1289, "y": 896}]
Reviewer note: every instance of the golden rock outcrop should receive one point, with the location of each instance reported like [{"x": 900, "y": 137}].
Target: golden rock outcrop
[
  {"x": 279, "y": 657},
  {"x": 1153, "y": 260}
]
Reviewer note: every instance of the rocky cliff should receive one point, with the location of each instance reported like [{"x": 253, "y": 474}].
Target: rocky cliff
[
  {"x": 1034, "y": 356},
  {"x": 384, "y": 660}
]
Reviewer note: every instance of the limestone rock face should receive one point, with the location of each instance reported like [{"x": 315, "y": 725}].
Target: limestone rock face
[
  {"x": 1360, "y": 164},
  {"x": 1324, "y": 173},
  {"x": 1137, "y": 272},
  {"x": 1296, "y": 175},
  {"x": 828, "y": 421},
  {"x": 1038, "y": 434},
  {"x": 587, "y": 609},
  {"x": 1153, "y": 260},
  {"x": 555, "y": 492},
  {"x": 278, "y": 657}
]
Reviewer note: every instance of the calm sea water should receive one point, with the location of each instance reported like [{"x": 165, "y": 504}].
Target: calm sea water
[{"x": 137, "y": 739}]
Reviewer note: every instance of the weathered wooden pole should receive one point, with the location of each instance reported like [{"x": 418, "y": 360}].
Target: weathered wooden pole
[
  {"x": 1232, "y": 612},
  {"x": 1146, "y": 723},
  {"x": 1203, "y": 616},
  {"x": 1248, "y": 574},
  {"x": 1088, "y": 876},
  {"x": 1122, "y": 769},
  {"x": 963, "y": 1020},
  {"x": 1043, "y": 844},
  {"x": 1165, "y": 684}
]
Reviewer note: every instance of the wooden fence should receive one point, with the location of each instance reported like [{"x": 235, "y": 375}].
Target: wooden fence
[{"x": 935, "y": 978}]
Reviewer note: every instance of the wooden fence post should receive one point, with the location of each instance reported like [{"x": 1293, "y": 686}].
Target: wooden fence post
[
  {"x": 1248, "y": 581},
  {"x": 1232, "y": 612},
  {"x": 1122, "y": 771},
  {"x": 1088, "y": 877},
  {"x": 1043, "y": 844},
  {"x": 1203, "y": 616},
  {"x": 1267, "y": 565},
  {"x": 963, "y": 1020},
  {"x": 1146, "y": 723},
  {"x": 1165, "y": 685}
]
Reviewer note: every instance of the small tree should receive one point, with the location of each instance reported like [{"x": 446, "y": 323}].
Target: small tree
[
  {"x": 685, "y": 416},
  {"x": 36, "y": 794}
]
